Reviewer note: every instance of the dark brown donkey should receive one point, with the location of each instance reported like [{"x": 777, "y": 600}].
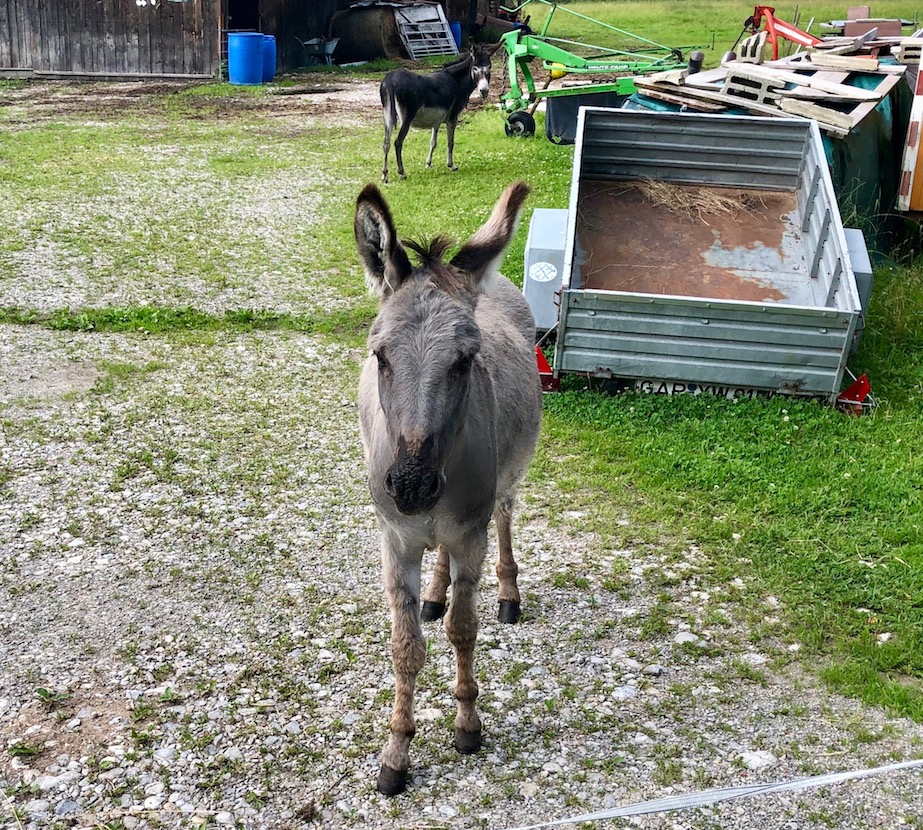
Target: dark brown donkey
[
  {"x": 450, "y": 408},
  {"x": 428, "y": 101}
]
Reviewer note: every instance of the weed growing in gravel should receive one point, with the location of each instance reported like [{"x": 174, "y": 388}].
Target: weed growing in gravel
[
  {"x": 25, "y": 749},
  {"x": 51, "y": 697}
]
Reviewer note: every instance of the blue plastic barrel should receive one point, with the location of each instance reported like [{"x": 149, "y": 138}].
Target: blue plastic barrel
[
  {"x": 269, "y": 58},
  {"x": 245, "y": 58},
  {"x": 455, "y": 26}
]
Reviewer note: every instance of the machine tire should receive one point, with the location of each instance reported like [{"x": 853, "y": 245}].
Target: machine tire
[{"x": 520, "y": 124}]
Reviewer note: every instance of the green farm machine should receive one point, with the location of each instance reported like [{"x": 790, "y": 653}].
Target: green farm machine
[{"x": 615, "y": 67}]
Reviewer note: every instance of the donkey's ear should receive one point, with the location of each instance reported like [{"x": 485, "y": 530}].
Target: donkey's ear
[
  {"x": 481, "y": 255},
  {"x": 385, "y": 261}
]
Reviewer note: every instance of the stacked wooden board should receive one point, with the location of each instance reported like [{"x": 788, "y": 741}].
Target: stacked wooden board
[{"x": 823, "y": 82}]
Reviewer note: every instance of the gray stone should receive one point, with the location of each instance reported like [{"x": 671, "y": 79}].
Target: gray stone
[
  {"x": 36, "y": 806},
  {"x": 67, "y": 808}
]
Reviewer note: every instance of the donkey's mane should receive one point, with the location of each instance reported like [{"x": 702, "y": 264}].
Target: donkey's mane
[
  {"x": 431, "y": 256},
  {"x": 432, "y": 252}
]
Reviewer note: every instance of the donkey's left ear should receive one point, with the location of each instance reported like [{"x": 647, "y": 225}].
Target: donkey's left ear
[
  {"x": 481, "y": 255},
  {"x": 384, "y": 259}
]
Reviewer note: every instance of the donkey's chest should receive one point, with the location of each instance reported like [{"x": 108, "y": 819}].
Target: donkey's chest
[{"x": 439, "y": 527}]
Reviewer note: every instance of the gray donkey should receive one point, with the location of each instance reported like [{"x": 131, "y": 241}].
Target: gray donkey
[{"x": 450, "y": 408}]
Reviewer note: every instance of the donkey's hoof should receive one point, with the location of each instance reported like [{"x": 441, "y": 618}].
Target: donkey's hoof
[
  {"x": 391, "y": 781},
  {"x": 509, "y": 611},
  {"x": 432, "y": 611},
  {"x": 467, "y": 743}
]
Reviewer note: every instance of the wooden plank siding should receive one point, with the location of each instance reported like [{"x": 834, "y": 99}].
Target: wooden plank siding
[
  {"x": 119, "y": 38},
  {"x": 110, "y": 37},
  {"x": 290, "y": 22}
]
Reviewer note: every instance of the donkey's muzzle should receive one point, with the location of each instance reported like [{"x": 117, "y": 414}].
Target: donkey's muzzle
[{"x": 415, "y": 487}]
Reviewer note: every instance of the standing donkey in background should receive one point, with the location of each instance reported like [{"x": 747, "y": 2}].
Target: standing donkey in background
[
  {"x": 427, "y": 101},
  {"x": 450, "y": 409}
]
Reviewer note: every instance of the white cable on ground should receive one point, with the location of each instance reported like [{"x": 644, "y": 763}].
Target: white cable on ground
[{"x": 706, "y": 798}]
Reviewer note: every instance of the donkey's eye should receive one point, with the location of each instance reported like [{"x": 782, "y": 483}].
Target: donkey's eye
[{"x": 383, "y": 366}]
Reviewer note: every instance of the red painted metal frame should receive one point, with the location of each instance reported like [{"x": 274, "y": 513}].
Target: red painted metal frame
[{"x": 779, "y": 28}]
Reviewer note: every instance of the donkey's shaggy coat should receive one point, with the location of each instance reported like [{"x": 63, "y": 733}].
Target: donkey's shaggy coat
[{"x": 450, "y": 407}]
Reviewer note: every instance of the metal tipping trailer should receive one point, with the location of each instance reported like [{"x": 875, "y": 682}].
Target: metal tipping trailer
[{"x": 757, "y": 296}]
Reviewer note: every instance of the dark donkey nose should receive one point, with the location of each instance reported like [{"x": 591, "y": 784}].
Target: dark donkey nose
[{"x": 413, "y": 481}]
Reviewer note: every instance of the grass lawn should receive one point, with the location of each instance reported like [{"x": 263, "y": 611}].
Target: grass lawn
[
  {"x": 823, "y": 509},
  {"x": 712, "y": 24}
]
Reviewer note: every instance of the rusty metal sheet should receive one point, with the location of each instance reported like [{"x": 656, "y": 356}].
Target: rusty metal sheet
[{"x": 628, "y": 243}]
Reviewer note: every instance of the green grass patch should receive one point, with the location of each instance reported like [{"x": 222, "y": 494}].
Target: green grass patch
[{"x": 163, "y": 320}]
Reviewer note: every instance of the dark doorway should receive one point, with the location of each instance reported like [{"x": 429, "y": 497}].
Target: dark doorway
[{"x": 243, "y": 14}]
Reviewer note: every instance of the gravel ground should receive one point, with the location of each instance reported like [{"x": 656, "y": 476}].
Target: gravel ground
[{"x": 193, "y": 634}]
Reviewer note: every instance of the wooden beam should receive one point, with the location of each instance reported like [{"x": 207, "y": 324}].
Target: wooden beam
[
  {"x": 823, "y": 115},
  {"x": 843, "y": 91},
  {"x": 682, "y": 100}
]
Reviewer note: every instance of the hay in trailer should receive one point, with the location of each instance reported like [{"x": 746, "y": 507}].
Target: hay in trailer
[{"x": 696, "y": 203}]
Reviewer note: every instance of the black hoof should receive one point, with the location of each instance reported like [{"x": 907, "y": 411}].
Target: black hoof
[
  {"x": 391, "y": 781},
  {"x": 432, "y": 611},
  {"x": 509, "y": 611},
  {"x": 467, "y": 743}
]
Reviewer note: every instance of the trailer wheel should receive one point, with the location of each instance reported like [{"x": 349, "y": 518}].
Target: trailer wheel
[{"x": 520, "y": 124}]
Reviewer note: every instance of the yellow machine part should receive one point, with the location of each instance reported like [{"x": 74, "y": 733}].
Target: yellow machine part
[{"x": 558, "y": 71}]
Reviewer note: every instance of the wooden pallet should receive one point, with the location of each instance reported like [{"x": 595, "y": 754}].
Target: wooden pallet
[
  {"x": 740, "y": 83},
  {"x": 751, "y": 49},
  {"x": 785, "y": 89},
  {"x": 424, "y": 31},
  {"x": 909, "y": 51}
]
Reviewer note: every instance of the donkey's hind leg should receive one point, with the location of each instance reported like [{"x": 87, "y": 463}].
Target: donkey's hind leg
[
  {"x": 507, "y": 569},
  {"x": 461, "y": 627},
  {"x": 387, "y": 147},
  {"x": 399, "y": 144},
  {"x": 388, "y": 114},
  {"x": 432, "y": 146},
  {"x": 434, "y": 597}
]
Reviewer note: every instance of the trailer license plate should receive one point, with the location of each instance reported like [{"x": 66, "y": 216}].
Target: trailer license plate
[{"x": 681, "y": 387}]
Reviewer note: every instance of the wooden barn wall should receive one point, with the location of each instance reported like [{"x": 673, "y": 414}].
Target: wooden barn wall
[
  {"x": 465, "y": 11},
  {"x": 291, "y": 21},
  {"x": 112, "y": 37}
]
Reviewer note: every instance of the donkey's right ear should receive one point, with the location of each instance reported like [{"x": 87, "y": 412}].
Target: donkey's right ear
[{"x": 384, "y": 259}]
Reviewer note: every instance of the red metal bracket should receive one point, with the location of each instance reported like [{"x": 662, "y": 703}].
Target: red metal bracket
[
  {"x": 853, "y": 397},
  {"x": 549, "y": 382},
  {"x": 777, "y": 28}
]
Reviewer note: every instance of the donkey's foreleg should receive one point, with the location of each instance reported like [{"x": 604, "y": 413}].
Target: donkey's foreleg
[
  {"x": 450, "y": 142},
  {"x": 461, "y": 627},
  {"x": 434, "y": 597},
  {"x": 507, "y": 569},
  {"x": 401, "y": 569},
  {"x": 432, "y": 146}
]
